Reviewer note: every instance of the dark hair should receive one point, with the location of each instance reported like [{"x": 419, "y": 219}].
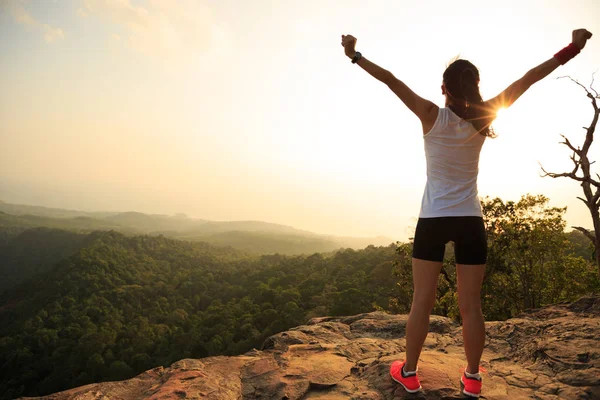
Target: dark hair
[{"x": 461, "y": 79}]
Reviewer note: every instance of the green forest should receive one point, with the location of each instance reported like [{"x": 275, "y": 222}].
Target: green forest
[{"x": 80, "y": 307}]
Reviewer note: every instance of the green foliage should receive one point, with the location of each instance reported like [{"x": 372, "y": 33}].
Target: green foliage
[
  {"x": 400, "y": 303},
  {"x": 531, "y": 261},
  {"x": 120, "y": 305},
  {"x": 33, "y": 252},
  {"x": 582, "y": 246}
]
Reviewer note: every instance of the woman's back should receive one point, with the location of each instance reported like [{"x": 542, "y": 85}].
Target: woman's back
[{"x": 452, "y": 149}]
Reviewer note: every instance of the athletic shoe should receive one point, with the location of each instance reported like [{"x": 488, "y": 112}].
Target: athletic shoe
[
  {"x": 410, "y": 382},
  {"x": 471, "y": 386}
]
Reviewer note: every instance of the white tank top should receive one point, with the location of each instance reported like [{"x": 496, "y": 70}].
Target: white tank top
[{"x": 452, "y": 150}]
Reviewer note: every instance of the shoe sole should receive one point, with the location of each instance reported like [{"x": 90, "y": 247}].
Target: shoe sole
[
  {"x": 405, "y": 388},
  {"x": 470, "y": 394}
]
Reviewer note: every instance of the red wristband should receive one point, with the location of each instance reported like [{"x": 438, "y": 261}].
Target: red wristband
[{"x": 567, "y": 53}]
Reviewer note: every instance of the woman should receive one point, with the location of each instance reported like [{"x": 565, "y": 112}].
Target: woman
[{"x": 450, "y": 209}]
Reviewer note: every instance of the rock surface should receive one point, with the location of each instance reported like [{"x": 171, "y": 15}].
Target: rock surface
[{"x": 549, "y": 353}]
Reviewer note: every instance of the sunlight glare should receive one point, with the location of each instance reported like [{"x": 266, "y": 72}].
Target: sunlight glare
[{"x": 500, "y": 124}]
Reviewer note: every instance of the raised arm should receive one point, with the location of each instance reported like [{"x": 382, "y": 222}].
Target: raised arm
[
  {"x": 516, "y": 89},
  {"x": 424, "y": 109}
]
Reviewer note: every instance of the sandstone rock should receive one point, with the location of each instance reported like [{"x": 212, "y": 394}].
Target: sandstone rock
[{"x": 550, "y": 353}]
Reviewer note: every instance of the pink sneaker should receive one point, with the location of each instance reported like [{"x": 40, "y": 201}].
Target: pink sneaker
[
  {"x": 471, "y": 385},
  {"x": 410, "y": 382}
]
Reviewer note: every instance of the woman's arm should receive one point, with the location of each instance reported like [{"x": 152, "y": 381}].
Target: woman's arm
[
  {"x": 516, "y": 89},
  {"x": 520, "y": 86},
  {"x": 424, "y": 109}
]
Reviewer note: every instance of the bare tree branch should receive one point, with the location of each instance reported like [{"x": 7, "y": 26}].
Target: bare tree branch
[
  {"x": 592, "y": 84},
  {"x": 591, "y": 96},
  {"x": 572, "y": 176},
  {"x": 589, "y": 185},
  {"x": 596, "y": 199},
  {"x": 587, "y": 233},
  {"x": 575, "y": 161},
  {"x": 578, "y": 83},
  {"x": 567, "y": 143},
  {"x": 582, "y": 199}
]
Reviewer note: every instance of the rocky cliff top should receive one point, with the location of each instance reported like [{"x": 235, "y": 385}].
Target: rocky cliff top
[{"x": 549, "y": 353}]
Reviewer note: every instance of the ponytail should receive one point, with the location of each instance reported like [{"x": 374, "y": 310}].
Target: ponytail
[{"x": 462, "y": 82}]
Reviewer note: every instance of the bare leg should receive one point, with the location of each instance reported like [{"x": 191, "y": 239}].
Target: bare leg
[
  {"x": 469, "y": 280},
  {"x": 425, "y": 278}
]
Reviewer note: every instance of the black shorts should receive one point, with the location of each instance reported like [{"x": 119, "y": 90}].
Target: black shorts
[{"x": 467, "y": 233}]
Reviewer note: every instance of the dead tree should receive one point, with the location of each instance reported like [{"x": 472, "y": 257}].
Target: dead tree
[{"x": 581, "y": 172}]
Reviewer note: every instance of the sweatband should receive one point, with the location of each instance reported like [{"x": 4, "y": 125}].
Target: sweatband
[{"x": 567, "y": 53}]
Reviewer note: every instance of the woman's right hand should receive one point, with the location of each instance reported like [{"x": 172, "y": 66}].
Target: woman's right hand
[
  {"x": 349, "y": 43},
  {"x": 580, "y": 36}
]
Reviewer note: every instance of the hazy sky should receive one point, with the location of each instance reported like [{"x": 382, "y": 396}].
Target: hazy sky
[{"x": 239, "y": 109}]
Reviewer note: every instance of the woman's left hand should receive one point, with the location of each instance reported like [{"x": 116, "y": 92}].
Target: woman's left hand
[{"x": 349, "y": 43}]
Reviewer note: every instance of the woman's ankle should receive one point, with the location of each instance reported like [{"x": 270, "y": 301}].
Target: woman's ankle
[
  {"x": 470, "y": 371},
  {"x": 408, "y": 368}
]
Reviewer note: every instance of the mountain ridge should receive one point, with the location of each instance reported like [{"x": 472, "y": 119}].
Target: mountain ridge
[{"x": 20, "y": 217}]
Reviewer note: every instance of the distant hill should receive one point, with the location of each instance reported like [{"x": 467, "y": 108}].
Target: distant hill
[
  {"x": 157, "y": 223},
  {"x": 251, "y": 236},
  {"x": 80, "y": 223},
  {"x": 266, "y": 242},
  {"x": 22, "y": 209}
]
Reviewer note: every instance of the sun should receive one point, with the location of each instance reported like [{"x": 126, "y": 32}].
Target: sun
[{"x": 501, "y": 122}]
